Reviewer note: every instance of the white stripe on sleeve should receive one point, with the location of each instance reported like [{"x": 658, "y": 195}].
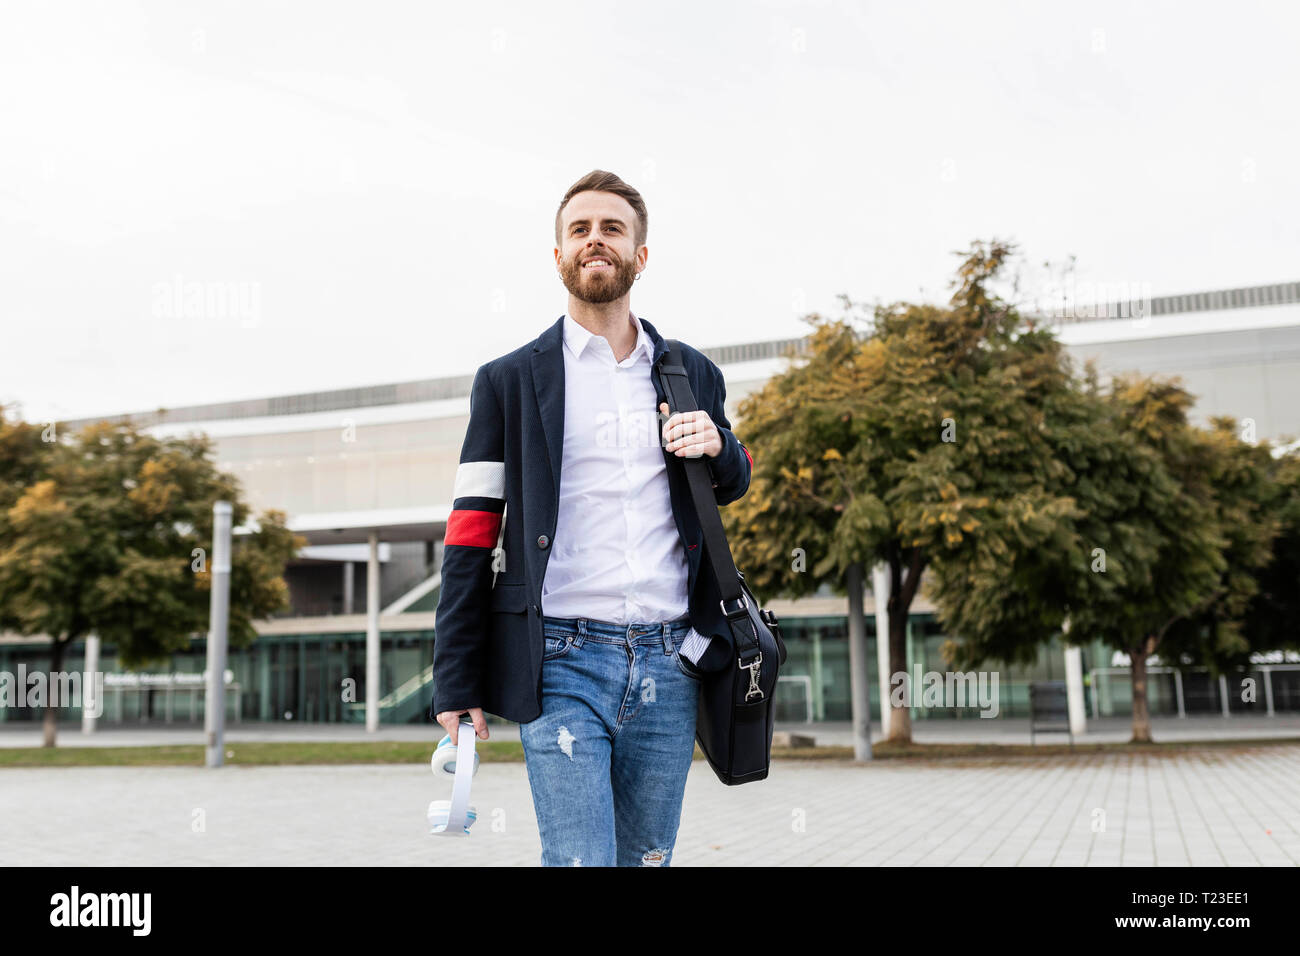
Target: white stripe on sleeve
[{"x": 480, "y": 479}]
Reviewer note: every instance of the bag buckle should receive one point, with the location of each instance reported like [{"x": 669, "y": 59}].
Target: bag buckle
[
  {"x": 744, "y": 605},
  {"x": 753, "y": 669}
]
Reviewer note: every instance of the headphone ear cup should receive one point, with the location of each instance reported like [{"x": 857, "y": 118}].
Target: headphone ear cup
[
  {"x": 440, "y": 810},
  {"x": 444, "y": 758}
]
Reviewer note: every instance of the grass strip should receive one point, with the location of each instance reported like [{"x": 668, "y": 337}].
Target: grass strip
[{"x": 291, "y": 753}]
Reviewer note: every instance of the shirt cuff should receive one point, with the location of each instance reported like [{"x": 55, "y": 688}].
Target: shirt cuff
[{"x": 694, "y": 646}]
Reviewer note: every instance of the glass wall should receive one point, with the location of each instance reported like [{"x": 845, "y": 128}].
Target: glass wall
[
  {"x": 316, "y": 678},
  {"x": 301, "y": 678},
  {"x": 815, "y": 678}
]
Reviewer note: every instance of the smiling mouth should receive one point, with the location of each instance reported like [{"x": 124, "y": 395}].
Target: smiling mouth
[{"x": 595, "y": 265}]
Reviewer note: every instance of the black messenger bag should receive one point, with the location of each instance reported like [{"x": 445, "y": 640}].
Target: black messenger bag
[{"x": 736, "y": 712}]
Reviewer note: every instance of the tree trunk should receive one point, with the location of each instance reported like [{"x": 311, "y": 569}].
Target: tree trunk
[
  {"x": 51, "y": 722},
  {"x": 900, "y": 718},
  {"x": 1141, "y": 713}
]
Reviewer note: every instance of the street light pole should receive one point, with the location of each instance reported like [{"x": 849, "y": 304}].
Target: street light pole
[
  {"x": 214, "y": 723},
  {"x": 859, "y": 683}
]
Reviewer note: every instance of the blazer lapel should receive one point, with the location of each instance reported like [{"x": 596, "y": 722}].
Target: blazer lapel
[{"x": 547, "y": 362}]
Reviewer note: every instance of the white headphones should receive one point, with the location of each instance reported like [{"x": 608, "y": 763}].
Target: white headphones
[{"x": 455, "y": 816}]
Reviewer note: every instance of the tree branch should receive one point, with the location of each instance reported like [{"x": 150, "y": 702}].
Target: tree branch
[{"x": 839, "y": 473}]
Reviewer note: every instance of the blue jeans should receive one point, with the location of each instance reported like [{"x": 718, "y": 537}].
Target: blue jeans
[{"x": 608, "y": 757}]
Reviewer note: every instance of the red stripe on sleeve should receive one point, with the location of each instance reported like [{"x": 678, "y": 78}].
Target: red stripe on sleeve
[
  {"x": 477, "y": 529},
  {"x": 749, "y": 456}
]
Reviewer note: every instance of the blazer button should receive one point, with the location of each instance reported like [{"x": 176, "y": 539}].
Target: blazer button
[{"x": 543, "y": 541}]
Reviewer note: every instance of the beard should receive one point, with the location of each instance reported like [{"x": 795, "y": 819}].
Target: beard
[{"x": 604, "y": 285}]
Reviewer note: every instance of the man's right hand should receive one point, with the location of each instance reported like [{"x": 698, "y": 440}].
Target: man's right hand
[{"x": 450, "y": 720}]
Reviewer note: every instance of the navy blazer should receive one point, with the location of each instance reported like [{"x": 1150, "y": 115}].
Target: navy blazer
[{"x": 488, "y": 641}]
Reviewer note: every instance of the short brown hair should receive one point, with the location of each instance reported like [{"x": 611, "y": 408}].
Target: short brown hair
[{"x": 601, "y": 181}]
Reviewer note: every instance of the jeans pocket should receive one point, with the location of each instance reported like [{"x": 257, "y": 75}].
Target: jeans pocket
[
  {"x": 684, "y": 665},
  {"x": 558, "y": 644}
]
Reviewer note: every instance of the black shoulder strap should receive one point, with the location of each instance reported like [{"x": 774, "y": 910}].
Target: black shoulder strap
[{"x": 672, "y": 373}]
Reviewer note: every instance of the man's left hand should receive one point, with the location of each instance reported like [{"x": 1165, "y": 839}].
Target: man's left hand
[{"x": 691, "y": 434}]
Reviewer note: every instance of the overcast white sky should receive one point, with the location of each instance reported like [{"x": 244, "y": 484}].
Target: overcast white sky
[{"x": 376, "y": 183}]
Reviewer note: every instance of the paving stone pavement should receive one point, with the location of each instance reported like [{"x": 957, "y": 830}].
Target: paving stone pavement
[
  {"x": 1203, "y": 808},
  {"x": 834, "y": 733}
]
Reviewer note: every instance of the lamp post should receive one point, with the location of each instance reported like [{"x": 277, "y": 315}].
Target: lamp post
[{"x": 214, "y": 723}]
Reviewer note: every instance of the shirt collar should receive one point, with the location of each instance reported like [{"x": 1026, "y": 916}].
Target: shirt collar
[{"x": 576, "y": 338}]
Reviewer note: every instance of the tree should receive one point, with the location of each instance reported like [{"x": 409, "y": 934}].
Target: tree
[
  {"x": 1138, "y": 549},
  {"x": 960, "y": 441},
  {"x": 1157, "y": 553},
  {"x": 1270, "y": 619},
  {"x": 1008, "y": 587},
  {"x": 22, "y": 458},
  {"x": 1206, "y": 530},
  {"x": 110, "y": 536},
  {"x": 806, "y": 497},
  {"x": 1250, "y": 508},
  {"x": 898, "y": 446}
]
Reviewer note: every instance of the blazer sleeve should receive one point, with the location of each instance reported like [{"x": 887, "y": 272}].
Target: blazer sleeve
[
  {"x": 460, "y": 645},
  {"x": 733, "y": 466}
]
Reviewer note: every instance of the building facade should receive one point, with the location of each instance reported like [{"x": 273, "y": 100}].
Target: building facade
[{"x": 366, "y": 476}]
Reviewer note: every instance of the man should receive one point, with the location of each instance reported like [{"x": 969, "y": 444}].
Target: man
[{"x": 592, "y": 626}]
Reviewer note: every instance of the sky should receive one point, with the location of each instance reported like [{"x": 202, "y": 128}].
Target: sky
[{"x": 203, "y": 202}]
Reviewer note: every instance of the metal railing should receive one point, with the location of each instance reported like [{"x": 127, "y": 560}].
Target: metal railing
[{"x": 1180, "y": 696}]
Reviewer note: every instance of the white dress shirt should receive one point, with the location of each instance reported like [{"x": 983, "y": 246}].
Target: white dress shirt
[{"x": 617, "y": 555}]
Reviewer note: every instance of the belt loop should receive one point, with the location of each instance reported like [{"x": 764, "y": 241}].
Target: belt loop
[
  {"x": 666, "y": 630},
  {"x": 582, "y": 632}
]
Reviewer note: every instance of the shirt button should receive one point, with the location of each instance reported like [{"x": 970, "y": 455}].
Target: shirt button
[{"x": 543, "y": 541}]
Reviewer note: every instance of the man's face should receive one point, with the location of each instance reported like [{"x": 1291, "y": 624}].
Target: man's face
[{"x": 598, "y": 226}]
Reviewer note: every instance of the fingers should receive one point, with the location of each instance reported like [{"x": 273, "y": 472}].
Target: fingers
[
  {"x": 449, "y": 719},
  {"x": 672, "y": 422},
  {"x": 690, "y": 434},
  {"x": 684, "y": 423},
  {"x": 693, "y": 436}
]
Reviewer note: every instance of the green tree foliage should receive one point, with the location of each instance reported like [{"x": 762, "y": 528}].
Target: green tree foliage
[
  {"x": 109, "y": 532},
  {"x": 1246, "y": 506},
  {"x": 1270, "y": 619},
  {"x": 1157, "y": 532},
  {"x": 924, "y": 439},
  {"x": 960, "y": 443},
  {"x": 22, "y": 457},
  {"x": 1185, "y": 546}
]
